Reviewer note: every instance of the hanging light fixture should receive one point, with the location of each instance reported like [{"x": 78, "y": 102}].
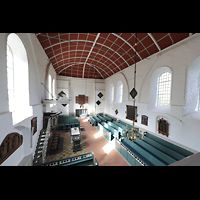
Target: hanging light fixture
[{"x": 133, "y": 94}]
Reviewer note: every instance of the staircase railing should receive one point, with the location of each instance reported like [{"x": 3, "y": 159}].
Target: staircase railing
[{"x": 47, "y": 136}]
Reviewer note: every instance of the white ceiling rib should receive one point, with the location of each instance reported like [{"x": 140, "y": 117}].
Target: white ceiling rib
[
  {"x": 100, "y": 55},
  {"x": 90, "y": 53},
  {"x": 151, "y": 36}
]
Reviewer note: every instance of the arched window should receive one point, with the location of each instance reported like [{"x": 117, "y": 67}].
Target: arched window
[
  {"x": 119, "y": 92},
  {"x": 50, "y": 88},
  {"x": 53, "y": 88},
  {"x": 111, "y": 93},
  {"x": 192, "y": 106},
  {"x": 10, "y": 78},
  {"x": 164, "y": 90},
  {"x": 17, "y": 79},
  {"x": 160, "y": 90}
]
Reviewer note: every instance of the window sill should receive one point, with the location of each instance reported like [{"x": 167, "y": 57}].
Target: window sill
[{"x": 22, "y": 114}]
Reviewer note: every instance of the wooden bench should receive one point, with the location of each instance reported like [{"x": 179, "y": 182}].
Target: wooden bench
[
  {"x": 169, "y": 145},
  {"x": 155, "y": 152},
  {"x": 102, "y": 118},
  {"x": 143, "y": 154},
  {"x": 114, "y": 132},
  {"x": 53, "y": 141}
]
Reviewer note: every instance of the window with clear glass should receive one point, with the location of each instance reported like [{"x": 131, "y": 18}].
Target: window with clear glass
[
  {"x": 164, "y": 90},
  {"x": 111, "y": 94},
  {"x": 49, "y": 84},
  {"x": 119, "y": 92}
]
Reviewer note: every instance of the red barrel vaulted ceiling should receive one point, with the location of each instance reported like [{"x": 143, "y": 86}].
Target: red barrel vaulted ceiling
[{"x": 100, "y": 55}]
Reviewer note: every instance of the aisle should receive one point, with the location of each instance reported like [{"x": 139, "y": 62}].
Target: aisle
[{"x": 98, "y": 144}]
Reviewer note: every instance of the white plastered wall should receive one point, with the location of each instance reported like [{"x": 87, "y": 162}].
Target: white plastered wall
[
  {"x": 37, "y": 62},
  {"x": 183, "y": 128}
]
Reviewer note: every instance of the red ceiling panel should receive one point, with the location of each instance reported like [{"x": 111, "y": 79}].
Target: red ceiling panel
[
  {"x": 102, "y": 54},
  {"x": 147, "y": 41},
  {"x": 50, "y": 54},
  {"x": 152, "y": 48},
  {"x": 127, "y": 36},
  {"x": 178, "y": 36},
  {"x": 92, "y": 36},
  {"x": 165, "y": 42},
  {"x": 159, "y": 36},
  {"x": 73, "y": 36},
  {"x": 144, "y": 54},
  {"x": 64, "y": 36},
  {"x": 82, "y": 36}
]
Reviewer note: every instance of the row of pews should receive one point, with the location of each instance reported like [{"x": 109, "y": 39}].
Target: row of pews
[
  {"x": 66, "y": 122},
  {"x": 146, "y": 150},
  {"x": 79, "y": 160}
]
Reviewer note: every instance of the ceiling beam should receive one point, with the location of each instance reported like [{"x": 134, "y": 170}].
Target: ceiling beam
[
  {"x": 151, "y": 36},
  {"x": 90, "y": 53}
]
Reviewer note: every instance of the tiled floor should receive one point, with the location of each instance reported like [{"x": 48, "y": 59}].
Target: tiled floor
[
  {"x": 91, "y": 142},
  {"x": 67, "y": 148}
]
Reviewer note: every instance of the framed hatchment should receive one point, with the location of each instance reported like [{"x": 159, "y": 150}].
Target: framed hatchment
[
  {"x": 10, "y": 144},
  {"x": 34, "y": 124},
  {"x": 163, "y": 127},
  {"x": 144, "y": 120}
]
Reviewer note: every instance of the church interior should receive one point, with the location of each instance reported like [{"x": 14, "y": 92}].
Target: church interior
[{"x": 99, "y": 99}]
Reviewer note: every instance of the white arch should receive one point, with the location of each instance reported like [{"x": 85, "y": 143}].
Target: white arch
[
  {"x": 151, "y": 36},
  {"x": 118, "y": 94},
  {"x": 90, "y": 53},
  {"x": 20, "y": 79},
  {"x": 81, "y": 57},
  {"x": 111, "y": 93},
  {"x": 85, "y": 41},
  {"x": 193, "y": 87},
  {"x": 83, "y": 63},
  {"x": 85, "y": 51},
  {"x": 127, "y": 44},
  {"x": 121, "y": 77},
  {"x": 154, "y": 87}
]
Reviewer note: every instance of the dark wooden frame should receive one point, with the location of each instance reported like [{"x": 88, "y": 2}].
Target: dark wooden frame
[
  {"x": 133, "y": 107},
  {"x": 144, "y": 120},
  {"x": 34, "y": 124},
  {"x": 81, "y": 99},
  {"x": 163, "y": 127},
  {"x": 10, "y": 144}
]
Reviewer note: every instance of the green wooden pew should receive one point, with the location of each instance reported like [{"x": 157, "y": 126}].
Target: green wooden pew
[
  {"x": 164, "y": 149},
  {"x": 170, "y": 145},
  {"x": 155, "y": 152},
  {"x": 143, "y": 154}
]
